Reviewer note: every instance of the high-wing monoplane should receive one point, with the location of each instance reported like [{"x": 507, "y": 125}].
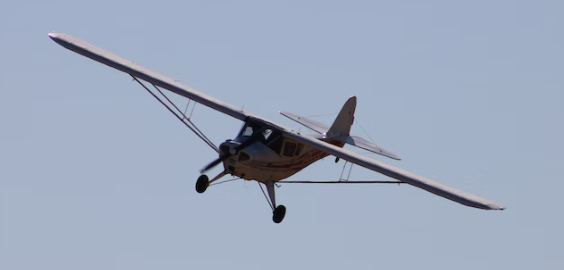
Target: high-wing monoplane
[{"x": 267, "y": 152}]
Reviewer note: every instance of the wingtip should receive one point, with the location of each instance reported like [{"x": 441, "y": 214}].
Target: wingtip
[
  {"x": 497, "y": 207},
  {"x": 56, "y": 37},
  {"x": 394, "y": 157}
]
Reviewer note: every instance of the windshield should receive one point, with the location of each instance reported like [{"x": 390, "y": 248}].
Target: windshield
[
  {"x": 267, "y": 136},
  {"x": 249, "y": 129}
]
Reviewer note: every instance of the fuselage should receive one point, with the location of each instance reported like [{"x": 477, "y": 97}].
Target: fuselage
[{"x": 271, "y": 157}]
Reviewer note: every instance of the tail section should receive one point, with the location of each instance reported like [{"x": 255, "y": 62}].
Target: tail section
[
  {"x": 343, "y": 122},
  {"x": 341, "y": 128}
]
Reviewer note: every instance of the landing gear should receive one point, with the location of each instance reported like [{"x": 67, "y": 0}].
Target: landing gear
[
  {"x": 202, "y": 183},
  {"x": 278, "y": 213}
]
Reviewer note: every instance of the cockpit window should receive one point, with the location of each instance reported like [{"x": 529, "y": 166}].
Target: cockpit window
[
  {"x": 249, "y": 129},
  {"x": 266, "y": 133},
  {"x": 269, "y": 137},
  {"x": 247, "y": 132}
]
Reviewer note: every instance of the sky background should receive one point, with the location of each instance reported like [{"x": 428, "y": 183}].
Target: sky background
[{"x": 95, "y": 174}]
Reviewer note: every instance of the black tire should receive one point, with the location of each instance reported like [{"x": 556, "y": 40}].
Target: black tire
[
  {"x": 279, "y": 213},
  {"x": 202, "y": 183}
]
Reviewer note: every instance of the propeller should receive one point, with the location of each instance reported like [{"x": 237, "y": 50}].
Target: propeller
[{"x": 223, "y": 156}]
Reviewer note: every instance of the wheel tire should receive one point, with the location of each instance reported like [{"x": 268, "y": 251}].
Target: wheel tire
[
  {"x": 202, "y": 183},
  {"x": 279, "y": 213}
]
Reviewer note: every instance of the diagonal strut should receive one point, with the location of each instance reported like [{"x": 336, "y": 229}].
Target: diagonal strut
[{"x": 188, "y": 124}]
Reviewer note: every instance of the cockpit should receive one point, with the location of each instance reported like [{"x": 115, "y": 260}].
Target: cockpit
[{"x": 265, "y": 135}]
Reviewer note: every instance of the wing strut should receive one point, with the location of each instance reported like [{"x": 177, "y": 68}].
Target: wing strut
[
  {"x": 341, "y": 182},
  {"x": 343, "y": 171},
  {"x": 187, "y": 122},
  {"x": 270, "y": 202}
]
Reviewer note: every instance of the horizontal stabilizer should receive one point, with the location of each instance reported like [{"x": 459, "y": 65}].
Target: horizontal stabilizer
[
  {"x": 366, "y": 145},
  {"x": 352, "y": 140},
  {"x": 311, "y": 124}
]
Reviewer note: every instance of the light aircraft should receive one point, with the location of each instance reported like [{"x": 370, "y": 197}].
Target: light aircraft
[{"x": 268, "y": 152}]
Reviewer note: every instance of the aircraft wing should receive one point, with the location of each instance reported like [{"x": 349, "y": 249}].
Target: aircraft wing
[
  {"x": 152, "y": 77},
  {"x": 311, "y": 124},
  {"x": 396, "y": 173}
]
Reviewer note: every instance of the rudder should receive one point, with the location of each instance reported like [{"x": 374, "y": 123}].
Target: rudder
[{"x": 343, "y": 122}]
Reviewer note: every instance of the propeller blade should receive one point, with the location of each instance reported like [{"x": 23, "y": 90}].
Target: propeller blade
[{"x": 215, "y": 162}]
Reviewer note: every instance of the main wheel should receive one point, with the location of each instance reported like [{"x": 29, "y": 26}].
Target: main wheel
[
  {"x": 278, "y": 213},
  {"x": 202, "y": 183}
]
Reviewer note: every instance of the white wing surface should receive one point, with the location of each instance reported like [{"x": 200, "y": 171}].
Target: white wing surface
[
  {"x": 401, "y": 175},
  {"x": 152, "y": 77}
]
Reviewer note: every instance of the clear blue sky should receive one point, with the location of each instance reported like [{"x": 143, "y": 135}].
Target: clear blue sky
[{"x": 95, "y": 174}]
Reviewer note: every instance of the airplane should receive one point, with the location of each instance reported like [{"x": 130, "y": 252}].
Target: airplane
[{"x": 267, "y": 152}]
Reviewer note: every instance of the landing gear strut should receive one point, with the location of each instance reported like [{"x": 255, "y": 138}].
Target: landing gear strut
[
  {"x": 278, "y": 212},
  {"x": 204, "y": 182}
]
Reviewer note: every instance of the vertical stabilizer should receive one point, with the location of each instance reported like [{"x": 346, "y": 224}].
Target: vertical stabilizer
[{"x": 344, "y": 121}]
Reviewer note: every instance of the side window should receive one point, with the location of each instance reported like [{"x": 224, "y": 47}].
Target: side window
[
  {"x": 276, "y": 143},
  {"x": 300, "y": 146},
  {"x": 289, "y": 149}
]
